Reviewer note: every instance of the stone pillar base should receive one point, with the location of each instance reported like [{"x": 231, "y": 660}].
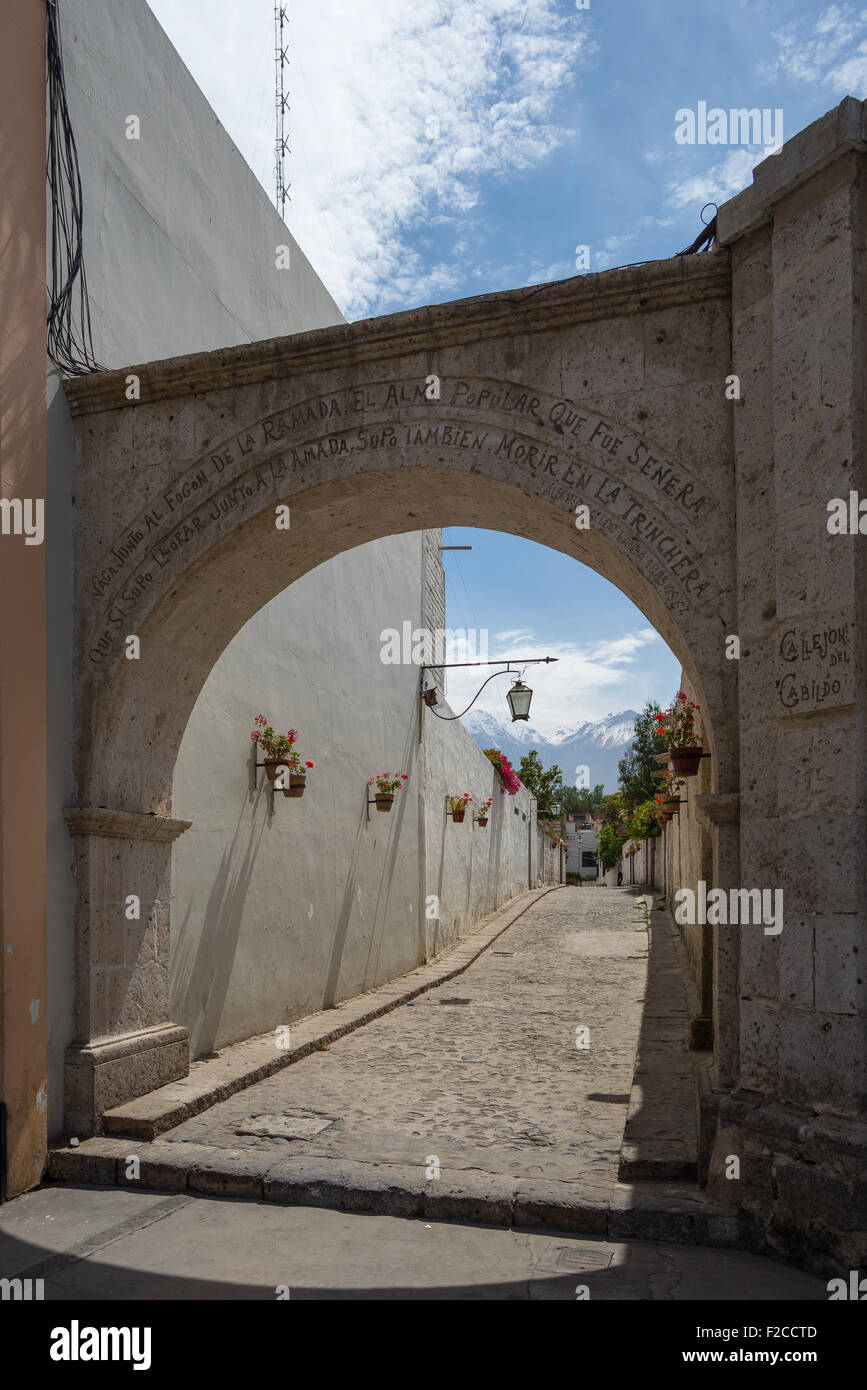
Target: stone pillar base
[
  {"x": 801, "y": 1176},
  {"x": 100, "y": 1075}
]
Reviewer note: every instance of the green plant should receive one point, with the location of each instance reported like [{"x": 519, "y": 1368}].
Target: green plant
[
  {"x": 670, "y": 785},
  {"x": 575, "y": 800},
  {"x": 638, "y": 764},
  {"x": 457, "y": 804},
  {"x": 608, "y": 847},
  {"x": 545, "y": 785},
  {"x": 387, "y": 783},
  {"x": 505, "y": 771},
  {"x": 274, "y": 745},
  {"x": 644, "y": 825},
  {"x": 677, "y": 724}
]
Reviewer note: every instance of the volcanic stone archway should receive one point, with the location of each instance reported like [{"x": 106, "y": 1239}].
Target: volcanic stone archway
[{"x": 611, "y": 392}]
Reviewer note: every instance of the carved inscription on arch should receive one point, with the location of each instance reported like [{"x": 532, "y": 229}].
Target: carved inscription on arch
[{"x": 567, "y": 454}]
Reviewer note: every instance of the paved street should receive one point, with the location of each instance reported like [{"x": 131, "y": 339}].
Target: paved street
[
  {"x": 515, "y": 1092},
  {"x": 93, "y": 1243},
  {"x": 473, "y": 1103},
  {"x": 482, "y": 1073}
]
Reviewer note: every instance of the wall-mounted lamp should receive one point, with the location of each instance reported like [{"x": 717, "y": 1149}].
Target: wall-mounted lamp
[{"x": 518, "y": 698}]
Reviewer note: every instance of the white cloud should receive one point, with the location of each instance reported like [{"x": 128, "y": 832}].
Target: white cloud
[
  {"x": 614, "y": 247},
  {"x": 364, "y": 81},
  {"x": 823, "y": 51},
  {"x": 587, "y": 682},
  {"x": 850, "y": 78},
  {"x": 718, "y": 183}
]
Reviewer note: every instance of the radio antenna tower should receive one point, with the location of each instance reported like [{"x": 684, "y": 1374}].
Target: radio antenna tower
[{"x": 281, "y": 106}]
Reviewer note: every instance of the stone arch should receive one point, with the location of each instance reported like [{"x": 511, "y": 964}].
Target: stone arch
[
  {"x": 186, "y": 629},
  {"x": 466, "y": 423},
  {"x": 776, "y": 313}
]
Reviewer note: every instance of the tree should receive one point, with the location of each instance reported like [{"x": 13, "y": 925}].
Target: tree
[
  {"x": 608, "y": 847},
  {"x": 576, "y": 800},
  {"x": 545, "y": 786},
  {"x": 612, "y": 808},
  {"x": 639, "y": 762}
]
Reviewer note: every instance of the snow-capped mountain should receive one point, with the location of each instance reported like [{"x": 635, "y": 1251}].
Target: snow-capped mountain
[{"x": 597, "y": 745}]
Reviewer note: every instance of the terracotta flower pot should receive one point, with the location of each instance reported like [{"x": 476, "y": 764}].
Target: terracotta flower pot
[
  {"x": 685, "y": 761},
  {"x": 664, "y": 817},
  {"x": 671, "y": 804},
  {"x": 481, "y": 820},
  {"x": 272, "y": 765},
  {"x": 384, "y": 801},
  {"x": 297, "y": 779},
  {"x": 294, "y": 790},
  {"x": 457, "y": 816}
]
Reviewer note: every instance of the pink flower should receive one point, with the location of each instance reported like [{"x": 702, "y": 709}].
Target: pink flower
[{"x": 255, "y": 736}]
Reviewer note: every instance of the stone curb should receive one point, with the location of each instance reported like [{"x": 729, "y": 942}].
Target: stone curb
[
  {"x": 244, "y": 1064},
  {"x": 639, "y": 1211}
]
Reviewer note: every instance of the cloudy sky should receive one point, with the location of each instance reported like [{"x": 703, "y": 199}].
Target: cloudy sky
[
  {"x": 444, "y": 148},
  {"x": 441, "y": 148}
]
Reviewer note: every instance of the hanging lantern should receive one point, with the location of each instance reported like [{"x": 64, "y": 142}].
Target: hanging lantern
[{"x": 519, "y": 698}]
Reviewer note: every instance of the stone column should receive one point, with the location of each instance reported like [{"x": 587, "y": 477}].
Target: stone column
[
  {"x": 798, "y": 349},
  {"x": 124, "y": 1044},
  {"x": 721, "y": 812}
]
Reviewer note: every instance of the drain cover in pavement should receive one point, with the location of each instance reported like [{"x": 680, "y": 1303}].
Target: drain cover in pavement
[
  {"x": 502, "y": 953},
  {"x": 284, "y": 1126},
  {"x": 576, "y": 1259},
  {"x": 454, "y": 1001}
]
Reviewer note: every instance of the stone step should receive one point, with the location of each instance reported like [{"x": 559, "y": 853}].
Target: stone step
[{"x": 634, "y": 1211}]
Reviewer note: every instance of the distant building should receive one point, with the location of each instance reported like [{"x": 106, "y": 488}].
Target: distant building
[{"x": 581, "y": 838}]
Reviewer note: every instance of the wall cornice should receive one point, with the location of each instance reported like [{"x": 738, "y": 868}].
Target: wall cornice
[{"x": 680, "y": 280}]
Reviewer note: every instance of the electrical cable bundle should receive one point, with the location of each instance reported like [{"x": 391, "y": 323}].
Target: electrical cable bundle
[{"x": 70, "y": 343}]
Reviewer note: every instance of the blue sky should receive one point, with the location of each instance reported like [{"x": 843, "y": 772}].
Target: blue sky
[
  {"x": 532, "y": 601},
  {"x": 444, "y": 148},
  {"x": 555, "y": 125}
]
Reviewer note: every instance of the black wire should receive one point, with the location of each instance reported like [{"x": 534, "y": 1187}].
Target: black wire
[
  {"x": 70, "y": 336},
  {"x": 706, "y": 238}
]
